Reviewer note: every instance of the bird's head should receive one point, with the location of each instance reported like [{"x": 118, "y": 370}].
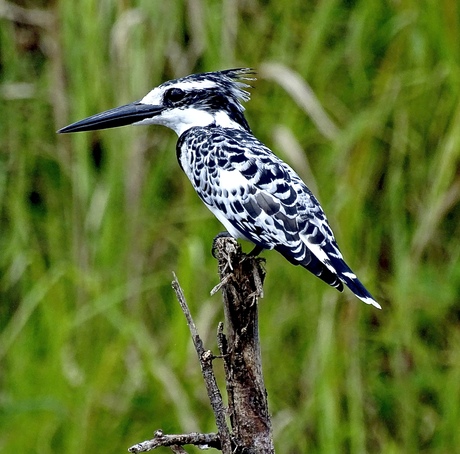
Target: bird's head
[{"x": 180, "y": 104}]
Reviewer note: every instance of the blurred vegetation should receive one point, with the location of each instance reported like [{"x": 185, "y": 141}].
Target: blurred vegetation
[{"x": 94, "y": 351}]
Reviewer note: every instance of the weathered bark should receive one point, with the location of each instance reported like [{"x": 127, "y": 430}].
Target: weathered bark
[{"x": 241, "y": 280}]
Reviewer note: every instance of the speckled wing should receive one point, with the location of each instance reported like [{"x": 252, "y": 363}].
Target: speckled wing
[{"x": 258, "y": 197}]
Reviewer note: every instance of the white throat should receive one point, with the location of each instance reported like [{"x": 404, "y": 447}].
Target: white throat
[{"x": 180, "y": 120}]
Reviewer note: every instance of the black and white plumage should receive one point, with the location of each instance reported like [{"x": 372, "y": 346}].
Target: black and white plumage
[{"x": 252, "y": 192}]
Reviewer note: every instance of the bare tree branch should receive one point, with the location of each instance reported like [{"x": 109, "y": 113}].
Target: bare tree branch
[
  {"x": 159, "y": 439},
  {"x": 241, "y": 283},
  {"x": 205, "y": 357},
  {"x": 242, "y": 278}
]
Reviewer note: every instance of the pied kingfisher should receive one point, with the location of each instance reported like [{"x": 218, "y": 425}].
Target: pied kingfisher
[{"x": 252, "y": 192}]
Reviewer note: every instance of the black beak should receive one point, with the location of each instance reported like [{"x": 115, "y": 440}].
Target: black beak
[{"x": 119, "y": 116}]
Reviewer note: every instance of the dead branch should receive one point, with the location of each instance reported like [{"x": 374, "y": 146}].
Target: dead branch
[
  {"x": 159, "y": 439},
  {"x": 241, "y": 283},
  {"x": 205, "y": 358},
  {"x": 240, "y": 348}
]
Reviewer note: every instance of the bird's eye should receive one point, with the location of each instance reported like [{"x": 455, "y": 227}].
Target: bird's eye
[{"x": 174, "y": 95}]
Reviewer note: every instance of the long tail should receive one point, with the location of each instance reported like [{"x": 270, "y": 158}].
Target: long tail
[
  {"x": 312, "y": 264},
  {"x": 335, "y": 273},
  {"x": 349, "y": 278}
]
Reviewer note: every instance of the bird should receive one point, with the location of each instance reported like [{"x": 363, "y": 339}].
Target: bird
[{"x": 251, "y": 191}]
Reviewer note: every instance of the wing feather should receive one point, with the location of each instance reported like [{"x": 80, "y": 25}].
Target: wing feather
[{"x": 258, "y": 197}]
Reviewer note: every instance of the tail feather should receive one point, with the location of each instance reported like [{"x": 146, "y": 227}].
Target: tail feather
[
  {"x": 354, "y": 284},
  {"x": 335, "y": 272},
  {"x": 331, "y": 256},
  {"x": 314, "y": 265}
]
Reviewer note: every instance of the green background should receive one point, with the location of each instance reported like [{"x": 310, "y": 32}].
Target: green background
[{"x": 94, "y": 351}]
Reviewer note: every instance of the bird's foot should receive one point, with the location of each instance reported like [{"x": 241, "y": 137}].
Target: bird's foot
[{"x": 219, "y": 235}]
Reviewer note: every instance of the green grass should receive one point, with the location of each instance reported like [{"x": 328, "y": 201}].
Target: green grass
[{"x": 94, "y": 350}]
